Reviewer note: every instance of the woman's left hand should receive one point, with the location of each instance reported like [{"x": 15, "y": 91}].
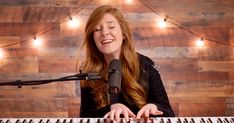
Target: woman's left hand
[{"x": 147, "y": 110}]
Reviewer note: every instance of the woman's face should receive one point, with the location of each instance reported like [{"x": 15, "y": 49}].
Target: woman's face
[{"x": 108, "y": 36}]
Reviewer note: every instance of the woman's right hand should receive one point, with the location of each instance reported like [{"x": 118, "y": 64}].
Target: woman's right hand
[{"x": 116, "y": 110}]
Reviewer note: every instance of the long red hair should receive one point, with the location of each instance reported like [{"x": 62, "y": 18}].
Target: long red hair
[{"x": 94, "y": 61}]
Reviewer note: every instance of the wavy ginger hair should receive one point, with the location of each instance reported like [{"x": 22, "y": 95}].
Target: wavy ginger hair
[{"x": 95, "y": 61}]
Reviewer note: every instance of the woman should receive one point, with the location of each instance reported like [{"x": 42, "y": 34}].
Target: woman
[{"x": 108, "y": 36}]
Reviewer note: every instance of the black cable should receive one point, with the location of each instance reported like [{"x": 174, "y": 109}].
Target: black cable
[{"x": 185, "y": 28}]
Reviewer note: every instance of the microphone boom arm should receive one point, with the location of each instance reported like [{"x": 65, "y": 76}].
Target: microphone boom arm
[{"x": 81, "y": 76}]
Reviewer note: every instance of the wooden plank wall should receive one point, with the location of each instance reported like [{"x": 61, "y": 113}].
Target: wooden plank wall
[{"x": 199, "y": 81}]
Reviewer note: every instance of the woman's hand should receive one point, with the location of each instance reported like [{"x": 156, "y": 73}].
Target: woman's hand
[
  {"x": 147, "y": 110},
  {"x": 116, "y": 110}
]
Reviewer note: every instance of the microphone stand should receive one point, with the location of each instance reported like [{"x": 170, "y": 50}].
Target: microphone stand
[{"x": 81, "y": 76}]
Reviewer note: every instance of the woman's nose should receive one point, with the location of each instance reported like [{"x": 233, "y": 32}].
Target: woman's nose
[{"x": 105, "y": 32}]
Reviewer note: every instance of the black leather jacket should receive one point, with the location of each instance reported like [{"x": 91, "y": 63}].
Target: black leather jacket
[{"x": 151, "y": 82}]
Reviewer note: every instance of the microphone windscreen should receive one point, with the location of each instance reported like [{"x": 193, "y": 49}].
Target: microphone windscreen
[{"x": 115, "y": 74}]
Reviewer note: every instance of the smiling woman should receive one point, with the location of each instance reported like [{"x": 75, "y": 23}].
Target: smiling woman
[{"x": 107, "y": 37}]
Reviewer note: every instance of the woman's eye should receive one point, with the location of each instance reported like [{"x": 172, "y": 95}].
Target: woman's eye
[
  {"x": 111, "y": 27},
  {"x": 95, "y": 30}
]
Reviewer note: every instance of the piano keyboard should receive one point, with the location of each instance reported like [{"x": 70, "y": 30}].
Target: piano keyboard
[{"x": 101, "y": 120}]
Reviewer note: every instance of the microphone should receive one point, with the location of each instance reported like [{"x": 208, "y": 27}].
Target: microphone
[{"x": 114, "y": 77}]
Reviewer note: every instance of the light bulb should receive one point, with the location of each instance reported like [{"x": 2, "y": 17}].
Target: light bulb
[
  {"x": 37, "y": 42},
  {"x": 74, "y": 22},
  {"x": 129, "y": 1},
  {"x": 200, "y": 42},
  {"x": 162, "y": 23},
  {"x": 1, "y": 54}
]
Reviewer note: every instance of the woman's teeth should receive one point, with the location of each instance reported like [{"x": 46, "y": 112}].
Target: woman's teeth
[{"x": 107, "y": 41}]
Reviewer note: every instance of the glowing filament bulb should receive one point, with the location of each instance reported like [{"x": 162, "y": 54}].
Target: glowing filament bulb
[
  {"x": 162, "y": 23},
  {"x": 37, "y": 42},
  {"x": 74, "y": 22},
  {"x": 1, "y": 54},
  {"x": 200, "y": 42},
  {"x": 129, "y": 1}
]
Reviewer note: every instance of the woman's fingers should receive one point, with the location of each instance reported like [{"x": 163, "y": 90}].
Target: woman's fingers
[
  {"x": 147, "y": 110},
  {"x": 117, "y": 110}
]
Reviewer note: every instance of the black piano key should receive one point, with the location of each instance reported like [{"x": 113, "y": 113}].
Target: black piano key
[
  {"x": 202, "y": 120},
  {"x": 8, "y": 121},
  {"x": 58, "y": 121},
  {"x": 98, "y": 120},
  {"x": 186, "y": 120},
  {"x": 17, "y": 121},
  {"x": 41, "y": 121},
  {"x": 24, "y": 121},
  {"x": 121, "y": 120},
  {"x": 81, "y": 121},
  {"x": 192, "y": 120},
  {"x": 161, "y": 121},
  {"x": 179, "y": 120},
  {"x": 71, "y": 121},
  {"x": 105, "y": 120},
  {"x": 168, "y": 120},
  {"x": 209, "y": 120},
  {"x": 232, "y": 120},
  {"x": 1, "y": 121},
  {"x": 64, "y": 121},
  {"x": 31, "y": 121},
  {"x": 111, "y": 121},
  {"x": 129, "y": 121},
  {"x": 48, "y": 121},
  {"x": 151, "y": 120},
  {"x": 225, "y": 119},
  {"x": 88, "y": 121},
  {"x": 219, "y": 120}
]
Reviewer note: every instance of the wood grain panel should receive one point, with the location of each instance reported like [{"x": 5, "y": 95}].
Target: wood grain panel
[
  {"x": 6, "y": 40},
  {"x": 217, "y": 66},
  {"x": 19, "y": 64},
  {"x": 176, "y": 64},
  {"x": 189, "y": 13},
  {"x": 35, "y": 105},
  {"x": 196, "y": 76},
  {"x": 58, "y": 52},
  {"x": 11, "y": 14},
  {"x": 200, "y": 106},
  {"x": 220, "y": 53},
  {"x": 63, "y": 89},
  {"x": 21, "y": 52},
  {"x": 42, "y": 3},
  {"x": 31, "y": 76},
  {"x": 14, "y": 114},
  {"x": 231, "y": 35},
  {"x": 62, "y": 41},
  {"x": 206, "y": 89},
  {"x": 151, "y": 36},
  {"x": 25, "y": 29},
  {"x": 64, "y": 65},
  {"x": 169, "y": 52}
]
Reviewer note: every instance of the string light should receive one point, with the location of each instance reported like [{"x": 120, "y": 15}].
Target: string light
[
  {"x": 200, "y": 42},
  {"x": 129, "y": 1},
  {"x": 1, "y": 54},
  {"x": 185, "y": 28},
  {"x": 74, "y": 22},
  {"x": 37, "y": 42},
  {"x": 162, "y": 23}
]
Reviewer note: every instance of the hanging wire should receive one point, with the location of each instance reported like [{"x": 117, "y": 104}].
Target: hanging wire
[
  {"x": 51, "y": 27},
  {"x": 185, "y": 28}
]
